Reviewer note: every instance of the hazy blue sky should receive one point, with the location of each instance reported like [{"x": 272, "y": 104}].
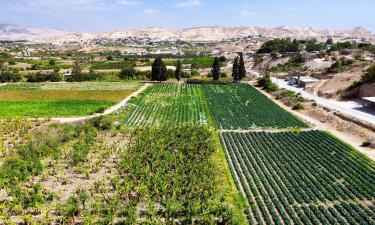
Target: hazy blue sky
[{"x": 107, "y": 15}]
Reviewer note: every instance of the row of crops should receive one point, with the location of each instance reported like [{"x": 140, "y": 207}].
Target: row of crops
[
  {"x": 168, "y": 104},
  {"x": 233, "y": 106},
  {"x": 242, "y": 106},
  {"x": 301, "y": 178}
]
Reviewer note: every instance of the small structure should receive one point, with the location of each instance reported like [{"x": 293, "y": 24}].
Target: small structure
[
  {"x": 301, "y": 81},
  {"x": 369, "y": 102}
]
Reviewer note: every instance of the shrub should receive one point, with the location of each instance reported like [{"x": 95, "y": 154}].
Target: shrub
[
  {"x": 102, "y": 123},
  {"x": 369, "y": 143},
  {"x": 13, "y": 170},
  {"x": 127, "y": 73},
  {"x": 100, "y": 110},
  {"x": 335, "y": 67},
  {"x": 266, "y": 83},
  {"x": 6, "y": 76},
  {"x": 298, "y": 106}
]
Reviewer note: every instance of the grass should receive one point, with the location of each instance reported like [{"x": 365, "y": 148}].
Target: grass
[
  {"x": 63, "y": 95},
  {"x": 51, "y": 108},
  {"x": 72, "y": 86},
  {"x": 227, "y": 185},
  {"x": 61, "y": 99}
]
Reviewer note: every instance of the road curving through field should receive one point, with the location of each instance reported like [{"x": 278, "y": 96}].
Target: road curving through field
[{"x": 106, "y": 112}]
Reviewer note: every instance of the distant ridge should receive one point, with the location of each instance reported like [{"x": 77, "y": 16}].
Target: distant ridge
[{"x": 214, "y": 33}]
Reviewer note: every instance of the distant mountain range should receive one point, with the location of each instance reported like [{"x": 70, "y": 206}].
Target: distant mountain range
[{"x": 47, "y": 35}]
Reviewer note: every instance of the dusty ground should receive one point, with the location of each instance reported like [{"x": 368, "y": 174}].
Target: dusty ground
[
  {"x": 336, "y": 83},
  {"x": 356, "y": 132}
]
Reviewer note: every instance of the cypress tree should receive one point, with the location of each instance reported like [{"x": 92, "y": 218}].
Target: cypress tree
[
  {"x": 159, "y": 70},
  {"x": 216, "y": 69},
  {"x": 241, "y": 69},
  {"x": 178, "y": 70},
  {"x": 235, "y": 70}
]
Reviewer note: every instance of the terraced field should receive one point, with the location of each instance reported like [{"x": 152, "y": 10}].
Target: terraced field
[
  {"x": 240, "y": 106},
  {"x": 304, "y": 178},
  {"x": 168, "y": 104}
]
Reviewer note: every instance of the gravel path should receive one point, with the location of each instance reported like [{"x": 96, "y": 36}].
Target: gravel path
[{"x": 106, "y": 112}]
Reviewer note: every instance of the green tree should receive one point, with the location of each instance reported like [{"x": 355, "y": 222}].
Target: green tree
[
  {"x": 127, "y": 73},
  {"x": 178, "y": 71},
  {"x": 313, "y": 45},
  {"x": 235, "y": 70},
  {"x": 55, "y": 76},
  {"x": 241, "y": 68},
  {"x": 329, "y": 41},
  {"x": 216, "y": 69},
  {"x": 159, "y": 70},
  {"x": 52, "y": 62},
  {"x": 77, "y": 74}
]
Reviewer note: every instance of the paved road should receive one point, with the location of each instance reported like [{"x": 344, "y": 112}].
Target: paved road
[{"x": 343, "y": 107}]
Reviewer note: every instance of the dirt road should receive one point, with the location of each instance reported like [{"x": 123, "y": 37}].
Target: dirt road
[
  {"x": 347, "y": 108},
  {"x": 106, "y": 112}
]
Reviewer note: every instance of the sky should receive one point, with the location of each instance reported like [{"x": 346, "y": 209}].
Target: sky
[{"x": 109, "y": 15}]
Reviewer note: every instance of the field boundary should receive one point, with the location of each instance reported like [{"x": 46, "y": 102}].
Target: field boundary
[
  {"x": 317, "y": 125},
  {"x": 106, "y": 112},
  {"x": 268, "y": 130}
]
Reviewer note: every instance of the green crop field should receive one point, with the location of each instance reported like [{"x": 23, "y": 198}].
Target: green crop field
[
  {"x": 241, "y": 106},
  {"x": 51, "y": 108},
  {"x": 168, "y": 104},
  {"x": 301, "y": 178},
  {"x": 60, "y": 99},
  {"x": 78, "y": 86}
]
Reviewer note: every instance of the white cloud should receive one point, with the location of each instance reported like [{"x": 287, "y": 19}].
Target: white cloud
[
  {"x": 129, "y": 2},
  {"x": 189, "y": 4},
  {"x": 150, "y": 11},
  {"x": 78, "y": 5}
]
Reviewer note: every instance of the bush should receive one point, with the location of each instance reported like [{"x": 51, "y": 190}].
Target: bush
[
  {"x": 127, "y": 73},
  {"x": 335, "y": 67},
  {"x": 271, "y": 87},
  {"x": 369, "y": 76},
  {"x": 102, "y": 123},
  {"x": 298, "y": 106},
  {"x": 266, "y": 83},
  {"x": 39, "y": 77},
  {"x": 369, "y": 143},
  {"x": 6, "y": 76},
  {"x": 100, "y": 110},
  {"x": 13, "y": 170}
]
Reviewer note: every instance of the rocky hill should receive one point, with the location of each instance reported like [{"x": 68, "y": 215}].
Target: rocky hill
[
  {"x": 14, "y": 32},
  {"x": 11, "y": 32}
]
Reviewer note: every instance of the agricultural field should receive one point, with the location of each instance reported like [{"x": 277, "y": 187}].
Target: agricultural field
[
  {"x": 240, "y": 106},
  {"x": 60, "y": 99},
  {"x": 88, "y": 174},
  {"x": 301, "y": 178},
  {"x": 77, "y": 86},
  {"x": 167, "y": 104}
]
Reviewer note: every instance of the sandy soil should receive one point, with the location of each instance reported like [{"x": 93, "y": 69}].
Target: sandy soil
[{"x": 331, "y": 88}]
